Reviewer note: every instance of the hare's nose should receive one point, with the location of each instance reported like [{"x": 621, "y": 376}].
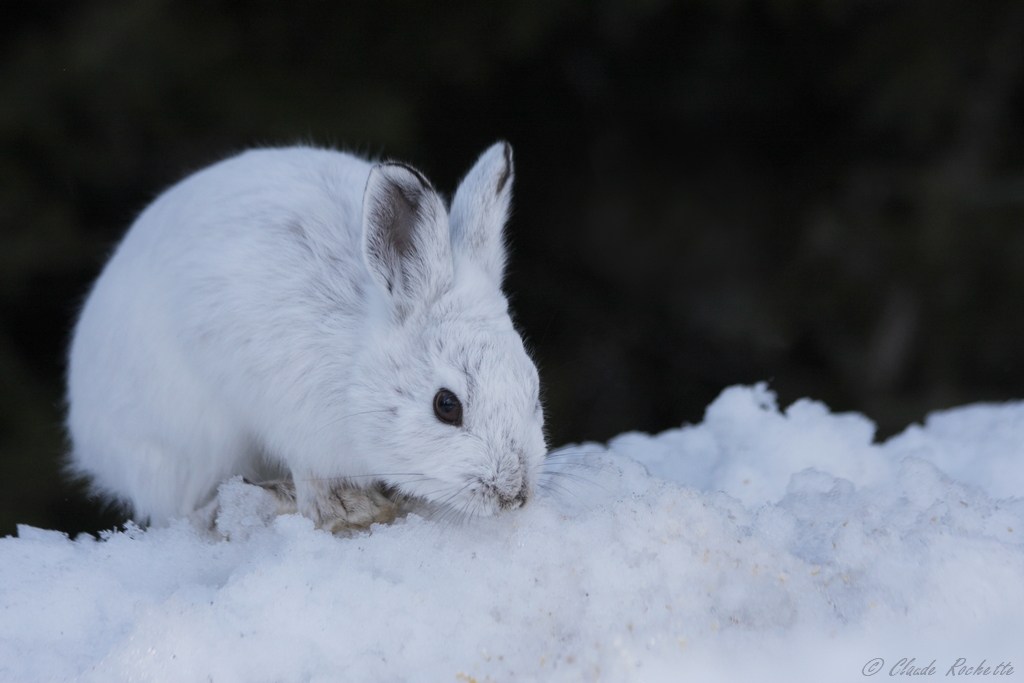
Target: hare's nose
[{"x": 516, "y": 501}]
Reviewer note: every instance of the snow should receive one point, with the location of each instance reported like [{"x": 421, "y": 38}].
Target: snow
[{"x": 761, "y": 544}]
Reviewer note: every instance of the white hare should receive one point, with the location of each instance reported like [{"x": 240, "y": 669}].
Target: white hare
[{"x": 309, "y": 311}]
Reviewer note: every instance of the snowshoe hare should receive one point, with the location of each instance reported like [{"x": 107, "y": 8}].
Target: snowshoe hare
[{"x": 307, "y": 311}]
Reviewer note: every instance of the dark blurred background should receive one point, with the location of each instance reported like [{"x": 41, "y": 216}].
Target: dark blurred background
[{"x": 826, "y": 194}]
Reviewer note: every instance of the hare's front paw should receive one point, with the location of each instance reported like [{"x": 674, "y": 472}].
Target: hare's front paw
[
  {"x": 342, "y": 508},
  {"x": 283, "y": 491}
]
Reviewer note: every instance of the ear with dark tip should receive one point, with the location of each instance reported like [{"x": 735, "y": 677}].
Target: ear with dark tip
[
  {"x": 406, "y": 244},
  {"x": 480, "y": 209}
]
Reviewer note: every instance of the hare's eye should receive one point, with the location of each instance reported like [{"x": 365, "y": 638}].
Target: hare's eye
[{"x": 448, "y": 408}]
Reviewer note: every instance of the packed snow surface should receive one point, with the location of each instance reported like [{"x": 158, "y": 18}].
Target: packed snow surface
[{"x": 758, "y": 545}]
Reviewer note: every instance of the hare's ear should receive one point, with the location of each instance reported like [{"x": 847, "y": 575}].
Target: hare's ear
[
  {"x": 405, "y": 237},
  {"x": 480, "y": 209}
]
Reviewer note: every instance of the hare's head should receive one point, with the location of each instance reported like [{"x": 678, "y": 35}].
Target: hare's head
[{"x": 453, "y": 412}]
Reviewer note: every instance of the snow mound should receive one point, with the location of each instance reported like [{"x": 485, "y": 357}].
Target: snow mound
[{"x": 758, "y": 545}]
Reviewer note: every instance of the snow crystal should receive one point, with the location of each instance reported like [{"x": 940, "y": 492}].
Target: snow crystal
[{"x": 760, "y": 545}]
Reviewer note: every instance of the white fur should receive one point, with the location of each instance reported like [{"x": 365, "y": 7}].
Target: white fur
[{"x": 286, "y": 306}]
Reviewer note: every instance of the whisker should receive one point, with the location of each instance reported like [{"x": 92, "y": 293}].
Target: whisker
[
  {"x": 567, "y": 453},
  {"x": 443, "y": 513},
  {"x": 573, "y": 453},
  {"x": 456, "y": 513},
  {"x": 443, "y": 520},
  {"x": 380, "y": 475},
  {"x": 570, "y": 464},
  {"x": 551, "y": 488},
  {"x": 345, "y": 417},
  {"x": 575, "y": 478},
  {"x": 571, "y": 476}
]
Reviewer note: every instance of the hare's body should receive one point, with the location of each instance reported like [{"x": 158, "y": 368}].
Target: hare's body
[{"x": 302, "y": 308}]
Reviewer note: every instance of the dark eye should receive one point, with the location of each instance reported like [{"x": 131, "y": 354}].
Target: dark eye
[{"x": 448, "y": 408}]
